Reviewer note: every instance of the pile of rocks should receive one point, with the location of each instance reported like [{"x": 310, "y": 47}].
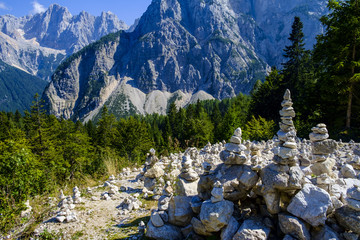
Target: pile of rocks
[
  {"x": 188, "y": 178},
  {"x": 76, "y": 195},
  {"x": 322, "y": 147},
  {"x": 66, "y": 205},
  {"x": 235, "y": 152},
  {"x": 153, "y": 171},
  {"x": 130, "y": 203},
  {"x": 242, "y": 199}
]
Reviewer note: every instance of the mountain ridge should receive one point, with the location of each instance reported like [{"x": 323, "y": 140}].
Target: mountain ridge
[
  {"x": 37, "y": 44},
  {"x": 214, "y": 47}
]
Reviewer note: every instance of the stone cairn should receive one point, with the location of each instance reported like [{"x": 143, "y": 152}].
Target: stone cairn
[
  {"x": 284, "y": 176},
  {"x": 66, "y": 206},
  {"x": 322, "y": 147},
  {"x": 234, "y": 153},
  {"x": 188, "y": 178},
  {"x": 234, "y": 203},
  {"x": 76, "y": 195},
  {"x": 152, "y": 171}
]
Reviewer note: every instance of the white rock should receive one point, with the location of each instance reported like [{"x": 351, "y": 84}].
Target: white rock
[
  {"x": 348, "y": 171},
  {"x": 60, "y": 218},
  {"x": 251, "y": 229},
  {"x": 311, "y": 205}
]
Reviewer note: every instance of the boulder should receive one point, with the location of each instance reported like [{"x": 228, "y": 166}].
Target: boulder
[
  {"x": 348, "y": 218},
  {"x": 189, "y": 175},
  {"x": 311, "y": 205},
  {"x": 232, "y": 158},
  {"x": 272, "y": 200},
  {"x": 353, "y": 204},
  {"x": 195, "y": 204},
  {"x": 325, "y": 147},
  {"x": 180, "y": 212},
  {"x": 293, "y": 226},
  {"x": 348, "y": 171},
  {"x": 237, "y": 180},
  {"x": 228, "y": 232},
  {"x": 166, "y": 232},
  {"x": 205, "y": 185},
  {"x": 273, "y": 178},
  {"x": 326, "y": 166},
  {"x": 324, "y": 232},
  {"x": 154, "y": 172},
  {"x": 236, "y": 148},
  {"x": 199, "y": 227},
  {"x": 284, "y": 136},
  {"x": 150, "y": 183},
  {"x": 156, "y": 219},
  {"x": 316, "y": 137},
  {"x": 252, "y": 229},
  {"x": 215, "y": 216},
  {"x": 187, "y": 188}
]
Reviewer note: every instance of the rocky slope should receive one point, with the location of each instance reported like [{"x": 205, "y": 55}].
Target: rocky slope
[
  {"x": 37, "y": 44},
  {"x": 179, "y": 48}
]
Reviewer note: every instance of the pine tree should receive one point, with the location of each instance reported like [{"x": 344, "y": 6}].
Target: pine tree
[
  {"x": 106, "y": 127},
  {"x": 265, "y": 101}
]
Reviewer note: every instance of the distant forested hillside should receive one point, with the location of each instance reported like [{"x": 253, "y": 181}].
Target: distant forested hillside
[{"x": 17, "y": 88}]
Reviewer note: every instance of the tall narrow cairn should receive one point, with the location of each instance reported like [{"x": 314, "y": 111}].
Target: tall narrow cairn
[
  {"x": 287, "y": 134},
  {"x": 283, "y": 177}
]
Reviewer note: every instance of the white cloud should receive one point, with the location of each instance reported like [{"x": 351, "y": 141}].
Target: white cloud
[
  {"x": 37, "y": 8},
  {"x": 3, "y": 6}
]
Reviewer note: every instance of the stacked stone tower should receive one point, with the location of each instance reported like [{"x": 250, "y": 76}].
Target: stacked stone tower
[{"x": 282, "y": 178}]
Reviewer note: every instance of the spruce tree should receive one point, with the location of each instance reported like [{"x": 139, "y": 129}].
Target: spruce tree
[{"x": 338, "y": 61}]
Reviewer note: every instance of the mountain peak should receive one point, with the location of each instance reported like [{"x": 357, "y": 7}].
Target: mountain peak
[{"x": 57, "y": 9}]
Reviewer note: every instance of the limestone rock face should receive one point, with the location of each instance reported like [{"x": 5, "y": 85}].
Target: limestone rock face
[
  {"x": 311, "y": 205},
  {"x": 40, "y": 42},
  {"x": 190, "y": 50}
]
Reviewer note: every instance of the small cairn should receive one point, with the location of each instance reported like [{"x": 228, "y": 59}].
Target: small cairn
[
  {"x": 66, "y": 204},
  {"x": 282, "y": 178},
  {"x": 322, "y": 147},
  {"x": 187, "y": 172},
  {"x": 76, "y": 195},
  {"x": 152, "y": 171},
  {"x": 217, "y": 194},
  {"x": 234, "y": 153},
  {"x": 188, "y": 178}
]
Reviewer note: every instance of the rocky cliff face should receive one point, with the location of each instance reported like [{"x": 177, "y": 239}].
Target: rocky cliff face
[
  {"x": 37, "y": 44},
  {"x": 180, "y": 48}
]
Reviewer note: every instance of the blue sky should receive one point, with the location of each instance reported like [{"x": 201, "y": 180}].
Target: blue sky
[{"x": 126, "y": 10}]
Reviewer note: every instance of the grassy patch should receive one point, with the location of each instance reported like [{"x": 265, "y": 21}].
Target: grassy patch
[{"x": 129, "y": 228}]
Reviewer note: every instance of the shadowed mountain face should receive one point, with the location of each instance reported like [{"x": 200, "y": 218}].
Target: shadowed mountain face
[
  {"x": 181, "y": 50},
  {"x": 37, "y": 44}
]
